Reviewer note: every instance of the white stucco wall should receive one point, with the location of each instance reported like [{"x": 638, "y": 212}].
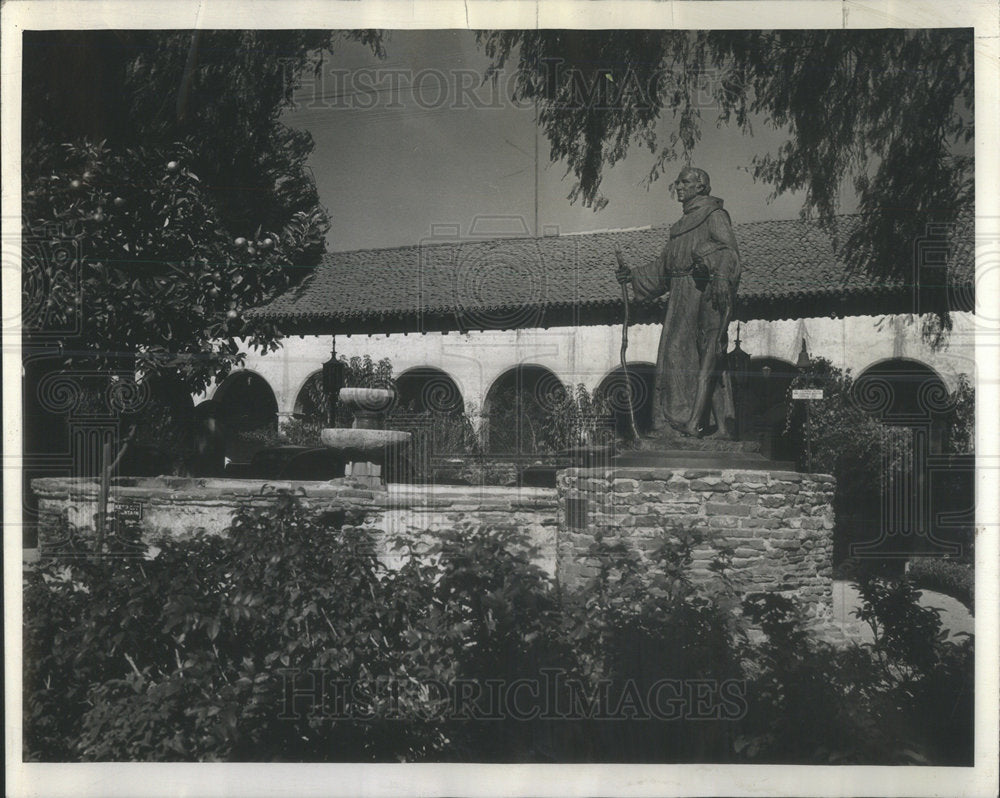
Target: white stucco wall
[{"x": 587, "y": 354}]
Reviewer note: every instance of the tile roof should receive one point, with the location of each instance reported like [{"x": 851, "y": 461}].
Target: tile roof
[{"x": 506, "y": 283}]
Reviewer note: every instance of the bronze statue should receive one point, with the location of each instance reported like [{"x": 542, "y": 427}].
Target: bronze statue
[{"x": 700, "y": 267}]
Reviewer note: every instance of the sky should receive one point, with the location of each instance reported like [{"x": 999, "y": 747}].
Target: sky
[{"x": 411, "y": 148}]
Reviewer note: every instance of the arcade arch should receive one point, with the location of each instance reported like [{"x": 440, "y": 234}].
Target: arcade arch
[
  {"x": 309, "y": 401},
  {"x": 516, "y": 409},
  {"x": 423, "y": 389},
  {"x": 638, "y": 388},
  {"x": 246, "y": 403},
  {"x": 907, "y": 393}
]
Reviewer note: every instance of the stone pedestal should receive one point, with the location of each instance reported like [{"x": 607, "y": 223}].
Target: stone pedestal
[
  {"x": 778, "y": 524},
  {"x": 365, "y": 473}
]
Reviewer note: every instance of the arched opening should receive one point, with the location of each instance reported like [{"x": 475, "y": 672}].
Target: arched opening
[
  {"x": 925, "y": 493},
  {"x": 426, "y": 389},
  {"x": 310, "y": 403},
  {"x": 638, "y": 389},
  {"x": 762, "y": 397},
  {"x": 249, "y": 412},
  {"x": 521, "y": 410},
  {"x": 907, "y": 393},
  {"x": 429, "y": 405}
]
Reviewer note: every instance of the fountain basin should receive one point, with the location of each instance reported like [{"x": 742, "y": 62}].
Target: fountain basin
[
  {"x": 363, "y": 444},
  {"x": 370, "y": 400},
  {"x": 364, "y": 450}
]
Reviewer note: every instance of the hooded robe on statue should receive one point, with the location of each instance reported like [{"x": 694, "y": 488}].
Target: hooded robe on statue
[{"x": 700, "y": 267}]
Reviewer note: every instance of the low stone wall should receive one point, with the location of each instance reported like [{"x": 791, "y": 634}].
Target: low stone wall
[
  {"x": 778, "y": 524},
  {"x": 179, "y": 507}
]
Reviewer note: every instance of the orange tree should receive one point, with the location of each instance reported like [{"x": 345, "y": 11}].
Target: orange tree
[
  {"x": 148, "y": 267},
  {"x": 163, "y": 196},
  {"x": 196, "y": 204}
]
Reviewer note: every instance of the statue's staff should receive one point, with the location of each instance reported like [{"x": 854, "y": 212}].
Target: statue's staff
[{"x": 623, "y": 269}]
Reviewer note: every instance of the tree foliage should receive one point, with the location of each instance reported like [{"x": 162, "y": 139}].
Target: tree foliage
[
  {"x": 156, "y": 162},
  {"x": 842, "y": 435},
  {"x": 151, "y": 271},
  {"x": 890, "y": 111}
]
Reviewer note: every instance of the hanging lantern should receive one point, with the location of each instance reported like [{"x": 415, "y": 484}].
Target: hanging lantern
[
  {"x": 804, "y": 362},
  {"x": 739, "y": 369},
  {"x": 739, "y": 361},
  {"x": 333, "y": 381}
]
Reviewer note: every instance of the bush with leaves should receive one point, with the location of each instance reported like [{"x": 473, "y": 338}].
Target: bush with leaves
[
  {"x": 843, "y": 439},
  {"x": 492, "y": 617},
  {"x": 642, "y": 622},
  {"x": 183, "y": 656},
  {"x": 289, "y": 639},
  {"x": 547, "y": 419},
  {"x": 805, "y": 702},
  {"x": 962, "y": 427},
  {"x": 905, "y": 698},
  {"x": 839, "y": 437}
]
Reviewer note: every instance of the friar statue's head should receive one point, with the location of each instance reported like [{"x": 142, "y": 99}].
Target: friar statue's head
[{"x": 691, "y": 182}]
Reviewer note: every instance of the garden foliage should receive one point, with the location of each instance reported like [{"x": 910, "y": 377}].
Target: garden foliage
[
  {"x": 839, "y": 436},
  {"x": 288, "y": 638}
]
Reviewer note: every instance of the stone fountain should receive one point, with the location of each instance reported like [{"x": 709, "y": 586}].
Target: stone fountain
[{"x": 365, "y": 446}]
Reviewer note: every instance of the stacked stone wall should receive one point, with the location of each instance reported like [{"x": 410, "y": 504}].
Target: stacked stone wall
[{"x": 775, "y": 526}]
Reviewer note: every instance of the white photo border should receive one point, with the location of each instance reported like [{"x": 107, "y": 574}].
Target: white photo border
[{"x": 111, "y": 780}]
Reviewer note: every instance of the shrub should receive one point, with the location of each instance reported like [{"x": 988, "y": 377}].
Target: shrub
[
  {"x": 547, "y": 419},
  {"x": 639, "y": 624},
  {"x": 962, "y": 429},
  {"x": 188, "y": 655},
  {"x": 289, "y": 639},
  {"x": 867, "y": 456},
  {"x": 904, "y": 698},
  {"x": 806, "y": 704},
  {"x": 291, "y": 432}
]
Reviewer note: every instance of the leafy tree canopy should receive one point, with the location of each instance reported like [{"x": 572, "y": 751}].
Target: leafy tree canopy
[
  {"x": 891, "y": 111},
  {"x": 163, "y": 196}
]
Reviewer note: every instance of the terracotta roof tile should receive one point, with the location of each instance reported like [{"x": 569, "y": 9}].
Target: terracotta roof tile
[{"x": 503, "y": 279}]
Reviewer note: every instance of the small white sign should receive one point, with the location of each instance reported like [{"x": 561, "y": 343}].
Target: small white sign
[{"x": 807, "y": 393}]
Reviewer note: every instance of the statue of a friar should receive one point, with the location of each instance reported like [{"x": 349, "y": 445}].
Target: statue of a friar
[{"x": 700, "y": 267}]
